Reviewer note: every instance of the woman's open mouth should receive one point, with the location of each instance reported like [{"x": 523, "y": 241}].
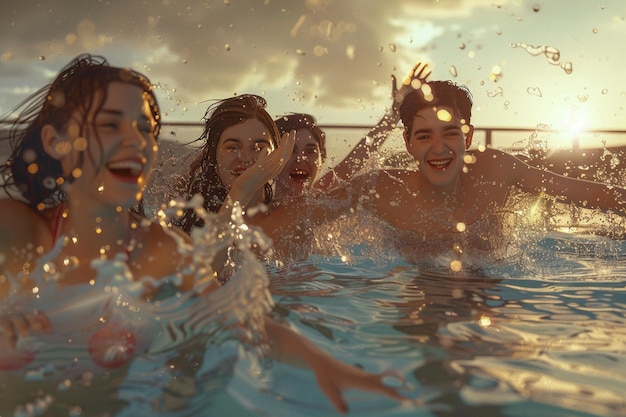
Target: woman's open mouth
[
  {"x": 299, "y": 175},
  {"x": 126, "y": 170}
]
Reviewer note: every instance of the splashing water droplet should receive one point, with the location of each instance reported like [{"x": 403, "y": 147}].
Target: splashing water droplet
[
  {"x": 498, "y": 92},
  {"x": 553, "y": 54},
  {"x": 496, "y": 73},
  {"x": 350, "y": 52},
  {"x": 567, "y": 67}
]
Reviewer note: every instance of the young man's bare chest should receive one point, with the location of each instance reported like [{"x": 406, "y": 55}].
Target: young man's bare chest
[{"x": 425, "y": 211}]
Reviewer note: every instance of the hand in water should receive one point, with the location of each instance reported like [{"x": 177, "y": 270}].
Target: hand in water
[
  {"x": 334, "y": 377},
  {"x": 12, "y": 328},
  {"x": 15, "y": 326},
  {"x": 413, "y": 81}
]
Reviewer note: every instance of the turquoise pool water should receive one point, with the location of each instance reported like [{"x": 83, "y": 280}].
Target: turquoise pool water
[
  {"x": 540, "y": 332},
  {"x": 543, "y": 334}
]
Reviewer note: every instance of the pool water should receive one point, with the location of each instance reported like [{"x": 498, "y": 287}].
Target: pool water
[
  {"x": 542, "y": 338},
  {"x": 541, "y": 332}
]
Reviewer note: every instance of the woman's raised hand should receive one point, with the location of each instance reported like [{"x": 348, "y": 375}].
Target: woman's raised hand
[
  {"x": 265, "y": 168},
  {"x": 272, "y": 163}
]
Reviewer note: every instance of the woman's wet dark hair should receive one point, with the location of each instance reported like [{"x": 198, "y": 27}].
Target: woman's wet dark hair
[
  {"x": 30, "y": 173},
  {"x": 442, "y": 93},
  {"x": 203, "y": 177},
  {"x": 297, "y": 121}
]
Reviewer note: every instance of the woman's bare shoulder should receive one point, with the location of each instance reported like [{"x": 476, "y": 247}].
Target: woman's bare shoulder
[
  {"x": 20, "y": 222},
  {"x": 24, "y": 233}
]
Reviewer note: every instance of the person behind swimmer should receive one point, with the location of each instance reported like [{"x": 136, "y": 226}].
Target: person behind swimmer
[
  {"x": 309, "y": 154},
  {"x": 237, "y": 131}
]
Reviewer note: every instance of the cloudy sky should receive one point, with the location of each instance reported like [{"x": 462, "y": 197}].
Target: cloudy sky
[{"x": 527, "y": 62}]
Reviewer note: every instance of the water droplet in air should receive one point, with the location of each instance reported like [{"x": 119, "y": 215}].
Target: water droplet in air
[
  {"x": 350, "y": 52},
  {"x": 496, "y": 73},
  {"x": 567, "y": 67},
  {"x": 498, "y": 92}
]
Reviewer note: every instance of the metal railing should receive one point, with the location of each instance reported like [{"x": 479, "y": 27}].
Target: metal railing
[{"x": 489, "y": 134}]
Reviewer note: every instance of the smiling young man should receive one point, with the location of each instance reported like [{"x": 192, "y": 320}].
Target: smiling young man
[{"x": 454, "y": 190}]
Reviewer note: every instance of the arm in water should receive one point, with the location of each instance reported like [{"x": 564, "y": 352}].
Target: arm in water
[{"x": 333, "y": 376}]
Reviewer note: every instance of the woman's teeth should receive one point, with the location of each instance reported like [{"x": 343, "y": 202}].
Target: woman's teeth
[{"x": 130, "y": 168}]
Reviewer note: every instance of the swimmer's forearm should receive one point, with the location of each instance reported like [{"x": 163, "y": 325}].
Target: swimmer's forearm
[
  {"x": 333, "y": 376},
  {"x": 286, "y": 345}
]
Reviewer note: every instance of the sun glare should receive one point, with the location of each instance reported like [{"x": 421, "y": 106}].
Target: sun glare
[{"x": 568, "y": 134}]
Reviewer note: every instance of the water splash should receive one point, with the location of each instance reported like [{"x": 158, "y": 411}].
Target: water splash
[
  {"x": 106, "y": 325},
  {"x": 552, "y": 54}
]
